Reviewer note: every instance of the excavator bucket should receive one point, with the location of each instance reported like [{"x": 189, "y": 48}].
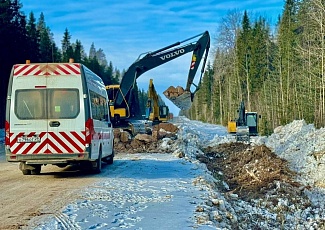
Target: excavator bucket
[{"x": 181, "y": 98}]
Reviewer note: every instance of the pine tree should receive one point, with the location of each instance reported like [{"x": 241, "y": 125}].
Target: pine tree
[
  {"x": 78, "y": 52},
  {"x": 47, "y": 52},
  {"x": 244, "y": 53},
  {"x": 92, "y": 51},
  {"x": 67, "y": 50},
  {"x": 12, "y": 44},
  {"x": 287, "y": 58}
]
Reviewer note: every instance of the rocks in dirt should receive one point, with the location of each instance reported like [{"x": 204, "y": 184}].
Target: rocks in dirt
[
  {"x": 248, "y": 170},
  {"x": 124, "y": 142},
  {"x": 181, "y": 98},
  {"x": 173, "y": 92}
]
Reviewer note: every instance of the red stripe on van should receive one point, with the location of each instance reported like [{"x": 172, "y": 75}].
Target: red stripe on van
[
  {"x": 54, "y": 146},
  {"x": 72, "y": 142},
  {"x": 21, "y": 145},
  {"x": 19, "y": 68},
  {"x": 30, "y": 69},
  {"x": 41, "y": 146},
  {"x": 79, "y": 138},
  {"x": 61, "y": 67},
  {"x": 46, "y": 69},
  {"x": 17, "y": 148},
  {"x": 51, "y": 70},
  {"x": 61, "y": 142},
  {"x": 75, "y": 70},
  {"x": 24, "y": 69}
]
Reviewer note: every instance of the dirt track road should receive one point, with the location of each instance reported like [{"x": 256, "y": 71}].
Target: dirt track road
[{"x": 24, "y": 197}]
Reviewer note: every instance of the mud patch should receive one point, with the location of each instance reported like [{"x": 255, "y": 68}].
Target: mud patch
[{"x": 250, "y": 171}]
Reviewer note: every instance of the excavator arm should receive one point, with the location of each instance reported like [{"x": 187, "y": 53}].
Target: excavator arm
[
  {"x": 122, "y": 96},
  {"x": 162, "y": 56}
]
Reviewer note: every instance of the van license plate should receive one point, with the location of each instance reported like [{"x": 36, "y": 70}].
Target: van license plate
[{"x": 26, "y": 139}]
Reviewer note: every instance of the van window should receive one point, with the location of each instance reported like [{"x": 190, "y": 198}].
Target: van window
[
  {"x": 29, "y": 104},
  {"x": 47, "y": 104},
  {"x": 99, "y": 106},
  {"x": 63, "y": 103}
]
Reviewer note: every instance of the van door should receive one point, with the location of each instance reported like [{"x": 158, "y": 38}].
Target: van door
[
  {"x": 66, "y": 123},
  {"x": 102, "y": 125},
  {"x": 28, "y": 124}
]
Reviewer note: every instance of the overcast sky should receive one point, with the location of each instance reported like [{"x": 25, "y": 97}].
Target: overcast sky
[{"x": 125, "y": 29}]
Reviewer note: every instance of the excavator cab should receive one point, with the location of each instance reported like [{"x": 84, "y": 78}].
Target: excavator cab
[
  {"x": 252, "y": 123},
  {"x": 163, "y": 112},
  {"x": 115, "y": 113}
]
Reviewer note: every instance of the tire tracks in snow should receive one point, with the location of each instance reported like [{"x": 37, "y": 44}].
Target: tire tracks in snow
[{"x": 139, "y": 191}]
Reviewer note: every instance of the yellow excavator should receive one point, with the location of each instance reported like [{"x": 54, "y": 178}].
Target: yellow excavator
[
  {"x": 155, "y": 112},
  {"x": 121, "y": 97},
  {"x": 245, "y": 125}
]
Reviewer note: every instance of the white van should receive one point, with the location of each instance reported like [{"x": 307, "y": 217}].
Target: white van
[{"x": 57, "y": 113}]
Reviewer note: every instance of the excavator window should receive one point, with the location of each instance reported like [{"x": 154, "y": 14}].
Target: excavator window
[{"x": 251, "y": 120}]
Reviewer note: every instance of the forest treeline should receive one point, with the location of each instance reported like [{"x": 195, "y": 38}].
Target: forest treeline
[
  {"x": 278, "y": 72},
  {"x": 27, "y": 38}
]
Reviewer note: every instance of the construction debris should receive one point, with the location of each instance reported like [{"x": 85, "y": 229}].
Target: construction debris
[{"x": 124, "y": 143}]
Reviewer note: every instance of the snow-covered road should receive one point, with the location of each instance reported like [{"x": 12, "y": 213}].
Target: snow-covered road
[{"x": 140, "y": 191}]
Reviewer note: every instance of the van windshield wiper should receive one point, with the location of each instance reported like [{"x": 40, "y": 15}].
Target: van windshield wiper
[{"x": 28, "y": 109}]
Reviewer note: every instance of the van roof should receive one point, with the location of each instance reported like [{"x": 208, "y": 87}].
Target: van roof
[{"x": 41, "y": 69}]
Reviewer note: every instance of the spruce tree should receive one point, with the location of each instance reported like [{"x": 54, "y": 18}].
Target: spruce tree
[{"x": 47, "y": 51}]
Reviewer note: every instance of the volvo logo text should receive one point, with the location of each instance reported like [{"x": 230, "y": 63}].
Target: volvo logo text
[{"x": 173, "y": 54}]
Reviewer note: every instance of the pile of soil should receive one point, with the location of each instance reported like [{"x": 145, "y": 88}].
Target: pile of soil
[{"x": 250, "y": 171}]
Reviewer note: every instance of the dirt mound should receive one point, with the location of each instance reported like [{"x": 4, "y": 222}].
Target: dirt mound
[{"x": 249, "y": 171}]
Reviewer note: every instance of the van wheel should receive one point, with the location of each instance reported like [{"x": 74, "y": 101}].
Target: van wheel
[
  {"x": 110, "y": 160},
  {"x": 98, "y": 168},
  {"x": 37, "y": 170},
  {"x": 26, "y": 171}
]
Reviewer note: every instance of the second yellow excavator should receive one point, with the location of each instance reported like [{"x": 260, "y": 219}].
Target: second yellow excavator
[
  {"x": 155, "y": 112},
  {"x": 246, "y": 124}
]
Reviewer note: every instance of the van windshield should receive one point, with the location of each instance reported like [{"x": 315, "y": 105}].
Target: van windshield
[{"x": 47, "y": 104}]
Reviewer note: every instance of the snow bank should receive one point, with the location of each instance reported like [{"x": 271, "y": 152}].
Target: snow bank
[
  {"x": 299, "y": 143},
  {"x": 303, "y": 147}
]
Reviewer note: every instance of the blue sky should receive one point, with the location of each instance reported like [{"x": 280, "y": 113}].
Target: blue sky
[{"x": 125, "y": 29}]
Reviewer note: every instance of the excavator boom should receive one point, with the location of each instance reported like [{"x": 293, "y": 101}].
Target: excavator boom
[{"x": 122, "y": 99}]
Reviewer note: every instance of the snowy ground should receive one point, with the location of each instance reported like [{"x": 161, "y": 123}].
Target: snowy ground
[
  {"x": 160, "y": 191},
  {"x": 139, "y": 191}
]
